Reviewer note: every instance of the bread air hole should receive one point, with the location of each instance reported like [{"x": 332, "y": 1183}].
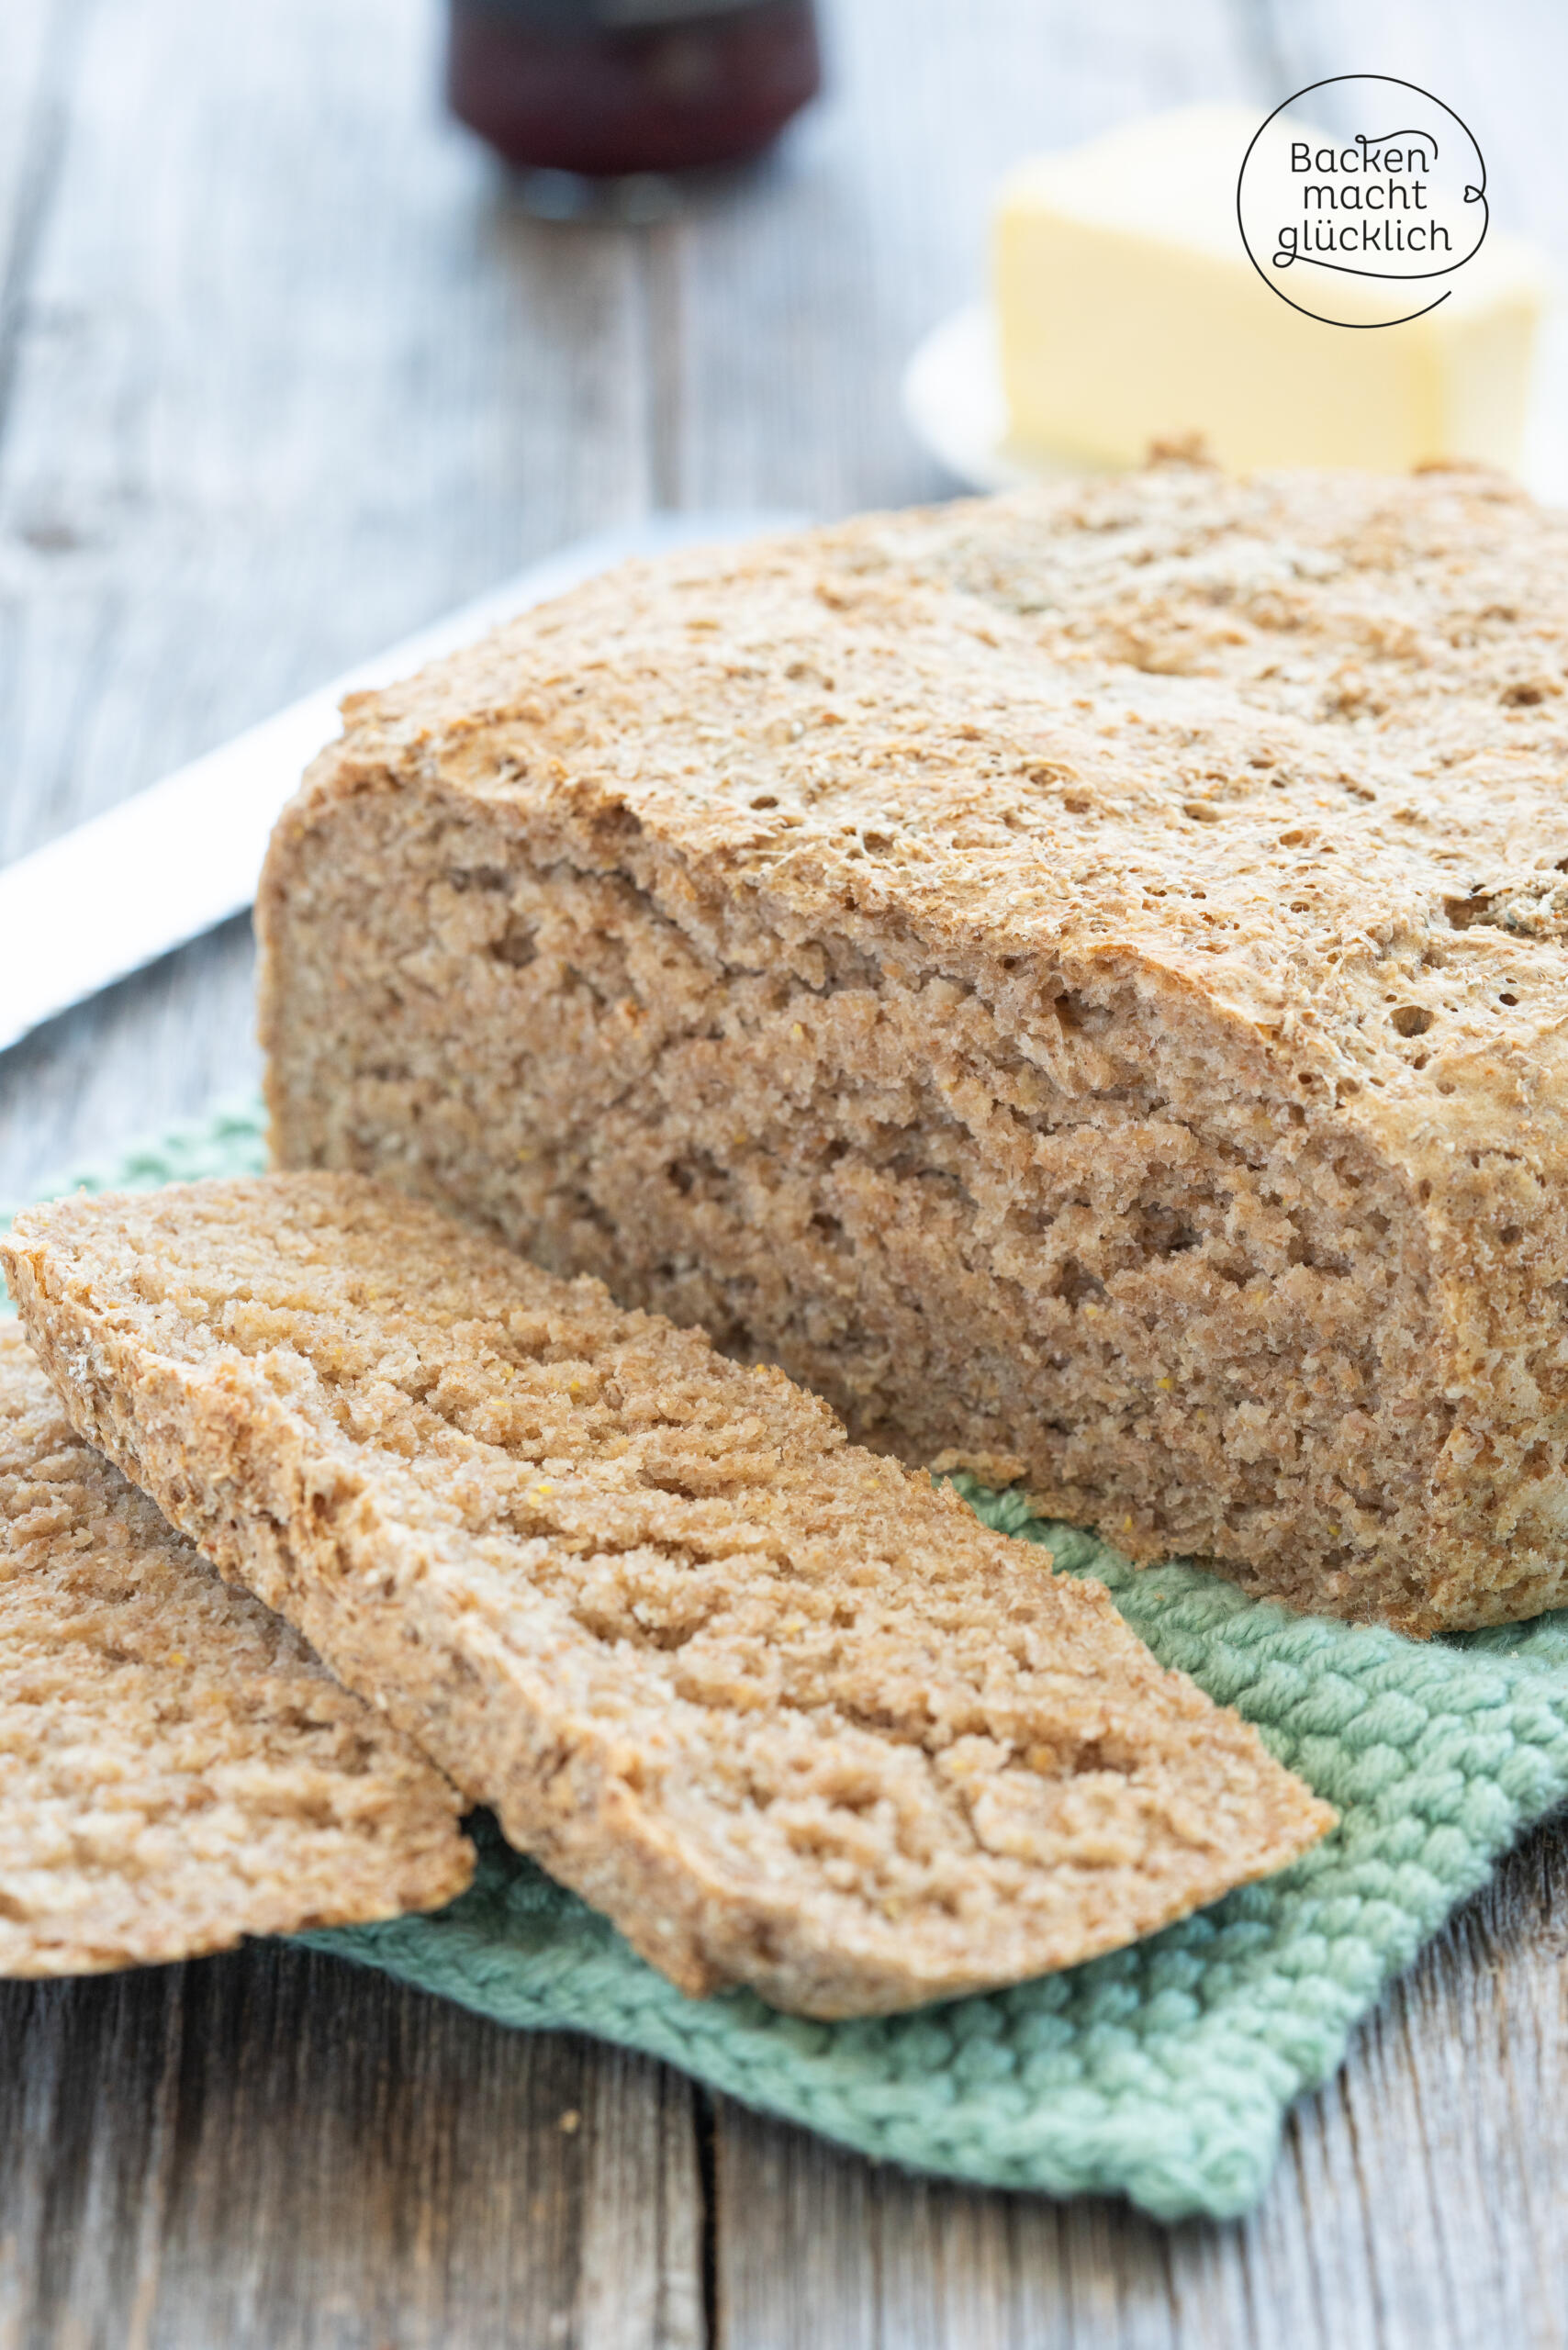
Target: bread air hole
[{"x": 1411, "y": 1019}]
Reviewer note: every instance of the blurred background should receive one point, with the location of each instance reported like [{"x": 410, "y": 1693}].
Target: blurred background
[{"x": 287, "y": 366}]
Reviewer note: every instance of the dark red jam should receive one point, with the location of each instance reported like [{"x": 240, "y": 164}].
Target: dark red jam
[{"x": 607, "y": 88}]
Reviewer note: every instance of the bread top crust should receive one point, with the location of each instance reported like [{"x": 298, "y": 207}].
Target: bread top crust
[
  {"x": 1285, "y": 751},
  {"x": 179, "y": 1769}
]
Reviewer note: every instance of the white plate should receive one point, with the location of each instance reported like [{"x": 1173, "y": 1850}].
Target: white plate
[{"x": 954, "y": 404}]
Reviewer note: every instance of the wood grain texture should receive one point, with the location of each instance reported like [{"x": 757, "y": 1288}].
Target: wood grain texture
[
  {"x": 283, "y": 371},
  {"x": 278, "y": 2148},
  {"x": 288, "y": 374}
]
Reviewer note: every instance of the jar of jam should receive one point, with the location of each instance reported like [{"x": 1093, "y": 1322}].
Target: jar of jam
[{"x": 616, "y": 88}]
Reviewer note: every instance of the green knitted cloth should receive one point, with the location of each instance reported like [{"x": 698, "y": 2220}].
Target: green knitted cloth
[{"x": 1162, "y": 2072}]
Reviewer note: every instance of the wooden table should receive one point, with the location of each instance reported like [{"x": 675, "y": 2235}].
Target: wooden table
[{"x": 285, "y": 371}]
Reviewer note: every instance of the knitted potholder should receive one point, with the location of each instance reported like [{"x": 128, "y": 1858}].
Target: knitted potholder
[{"x": 1162, "y": 2072}]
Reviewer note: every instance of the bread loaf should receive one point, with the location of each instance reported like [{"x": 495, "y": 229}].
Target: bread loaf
[
  {"x": 789, "y": 1715},
  {"x": 178, "y": 1770},
  {"x": 1077, "y": 979}
]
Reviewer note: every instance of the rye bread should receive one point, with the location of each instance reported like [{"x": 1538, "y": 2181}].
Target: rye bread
[
  {"x": 178, "y": 1770},
  {"x": 1077, "y": 979},
  {"x": 786, "y": 1711}
]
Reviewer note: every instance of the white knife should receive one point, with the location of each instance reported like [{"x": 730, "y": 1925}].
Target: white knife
[{"x": 160, "y": 869}]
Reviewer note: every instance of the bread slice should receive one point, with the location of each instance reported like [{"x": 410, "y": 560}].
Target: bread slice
[
  {"x": 178, "y": 1769},
  {"x": 788, "y": 1714},
  {"x": 1077, "y": 979}
]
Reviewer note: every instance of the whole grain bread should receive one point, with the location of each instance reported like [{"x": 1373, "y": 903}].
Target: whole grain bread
[
  {"x": 787, "y": 1712},
  {"x": 1077, "y": 979},
  {"x": 178, "y": 1769}
]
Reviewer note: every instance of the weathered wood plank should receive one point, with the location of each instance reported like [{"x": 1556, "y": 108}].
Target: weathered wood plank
[
  {"x": 278, "y": 2148},
  {"x": 39, "y": 40},
  {"x": 292, "y": 376}
]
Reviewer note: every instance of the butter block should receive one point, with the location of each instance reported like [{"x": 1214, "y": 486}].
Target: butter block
[{"x": 1130, "y": 312}]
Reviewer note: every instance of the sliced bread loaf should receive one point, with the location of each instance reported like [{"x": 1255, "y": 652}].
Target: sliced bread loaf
[
  {"x": 178, "y": 1770},
  {"x": 787, "y": 1712},
  {"x": 1077, "y": 979}
]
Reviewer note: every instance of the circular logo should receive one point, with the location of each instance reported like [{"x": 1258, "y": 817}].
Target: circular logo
[{"x": 1364, "y": 224}]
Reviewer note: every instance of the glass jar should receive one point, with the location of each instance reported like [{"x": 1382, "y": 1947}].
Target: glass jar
[{"x": 615, "y": 88}]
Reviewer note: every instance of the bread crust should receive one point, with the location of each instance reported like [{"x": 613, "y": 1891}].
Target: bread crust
[
  {"x": 1078, "y": 978},
  {"x": 791, "y": 1715},
  {"x": 179, "y": 1770}
]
